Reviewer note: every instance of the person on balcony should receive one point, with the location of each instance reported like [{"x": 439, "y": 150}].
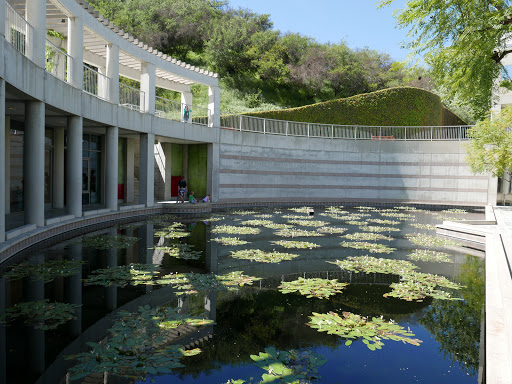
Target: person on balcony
[
  {"x": 191, "y": 198},
  {"x": 186, "y": 113}
]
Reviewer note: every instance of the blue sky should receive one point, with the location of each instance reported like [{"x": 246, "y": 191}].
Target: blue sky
[{"x": 357, "y": 22}]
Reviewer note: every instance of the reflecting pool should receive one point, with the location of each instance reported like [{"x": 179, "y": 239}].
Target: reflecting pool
[{"x": 288, "y": 295}]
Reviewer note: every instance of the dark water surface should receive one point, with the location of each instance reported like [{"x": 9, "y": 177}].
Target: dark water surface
[{"x": 251, "y": 318}]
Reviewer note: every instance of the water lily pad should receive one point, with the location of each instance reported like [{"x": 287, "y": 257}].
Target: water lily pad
[
  {"x": 262, "y": 256},
  {"x": 370, "y": 264},
  {"x": 296, "y": 244},
  {"x": 230, "y": 241},
  {"x": 256, "y": 222},
  {"x": 243, "y": 212},
  {"x": 367, "y": 236},
  {"x": 383, "y": 221},
  {"x": 428, "y": 255},
  {"x": 108, "y": 241},
  {"x": 430, "y": 241},
  {"x": 138, "y": 345},
  {"x": 430, "y": 227},
  {"x": 46, "y": 271},
  {"x": 41, "y": 314},
  {"x": 301, "y": 209},
  {"x": 278, "y": 226},
  {"x": 398, "y": 215},
  {"x": 376, "y": 228},
  {"x": 352, "y": 327},
  {"x": 191, "y": 283},
  {"x": 314, "y": 287},
  {"x": 331, "y": 230},
  {"x": 180, "y": 251},
  {"x": 236, "y": 230},
  {"x": 356, "y": 222},
  {"x": 295, "y": 232},
  {"x": 308, "y": 223},
  {"x": 123, "y": 275},
  {"x": 370, "y": 247}
]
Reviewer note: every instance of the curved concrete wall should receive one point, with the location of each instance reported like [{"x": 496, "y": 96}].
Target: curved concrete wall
[{"x": 256, "y": 167}]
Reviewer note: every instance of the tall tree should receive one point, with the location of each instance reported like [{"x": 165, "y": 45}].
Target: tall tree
[{"x": 463, "y": 41}]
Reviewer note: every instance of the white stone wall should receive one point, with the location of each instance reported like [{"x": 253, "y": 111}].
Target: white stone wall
[{"x": 256, "y": 167}]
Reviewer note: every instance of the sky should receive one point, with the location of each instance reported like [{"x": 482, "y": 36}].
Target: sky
[{"x": 356, "y": 22}]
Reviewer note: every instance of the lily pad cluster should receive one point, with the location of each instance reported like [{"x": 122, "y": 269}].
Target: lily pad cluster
[
  {"x": 278, "y": 226},
  {"x": 367, "y": 236},
  {"x": 236, "y": 230},
  {"x": 256, "y": 222},
  {"x": 47, "y": 271},
  {"x": 383, "y": 221},
  {"x": 174, "y": 231},
  {"x": 308, "y": 223},
  {"x": 180, "y": 251},
  {"x": 424, "y": 240},
  {"x": 428, "y": 255},
  {"x": 398, "y": 215},
  {"x": 314, "y": 287},
  {"x": 191, "y": 283},
  {"x": 123, "y": 275},
  {"x": 138, "y": 346},
  {"x": 109, "y": 241},
  {"x": 295, "y": 244},
  {"x": 262, "y": 256},
  {"x": 41, "y": 314},
  {"x": 295, "y": 232},
  {"x": 370, "y": 264},
  {"x": 230, "y": 241},
  {"x": 417, "y": 286},
  {"x": 375, "y": 228},
  {"x": 301, "y": 209},
  {"x": 352, "y": 327},
  {"x": 430, "y": 227},
  {"x": 292, "y": 367},
  {"x": 370, "y": 247},
  {"x": 331, "y": 230}
]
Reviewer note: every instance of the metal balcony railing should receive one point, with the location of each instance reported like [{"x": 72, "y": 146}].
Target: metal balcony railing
[
  {"x": 351, "y": 132},
  {"x": 174, "y": 110},
  {"x": 18, "y": 31},
  {"x": 131, "y": 97},
  {"x": 56, "y": 61},
  {"x": 95, "y": 83}
]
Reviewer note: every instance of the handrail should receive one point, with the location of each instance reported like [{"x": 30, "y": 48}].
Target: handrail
[
  {"x": 174, "y": 110},
  {"x": 56, "y": 61},
  {"x": 337, "y": 131},
  {"x": 95, "y": 83},
  {"x": 132, "y": 98},
  {"x": 18, "y": 31}
]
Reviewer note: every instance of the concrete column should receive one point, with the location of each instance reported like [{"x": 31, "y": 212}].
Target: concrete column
[
  {"x": 147, "y": 85},
  {"x": 146, "y": 245},
  {"x": 36, "y": 17},
  {"x": 214, "y": 106},
  {"x": 186, "y": 100},
  {"x": 146, "y": 169},
  {"x": 113, "y": 73},
  {"x": 103, "y": 90},
  {"x": 7, "y": 164},
  {"x": 130, "y": 169},
  {"x": 3, "y": 162},
  {"x": 210, "y": 304},
  {"x": 33, "y": 163},
  {"x": 213, "y": 167},
  {"x": 3, "y": 340},
  {"x": 73, "y": 290},
  {"x": 74, "y": 166},
  {"x": 111, "y": 260},
  {"x": 75, "y": 49},
  {"x": 168, "y": 170},
  {"x": 185, "y": 164},
  {"x": 58, "y": 168},
  {"x": 492, "y": 190},
  {"x": 111, "y": 167},
  {"x": 2, "y": 22},
  {"x": 35, "y": 292}
]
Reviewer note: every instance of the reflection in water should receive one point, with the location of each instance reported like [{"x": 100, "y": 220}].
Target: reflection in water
[{"x": 164, "y": 264}]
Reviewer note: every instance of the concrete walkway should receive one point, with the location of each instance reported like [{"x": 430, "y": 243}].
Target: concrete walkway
[{"x": 498, "y": 298}]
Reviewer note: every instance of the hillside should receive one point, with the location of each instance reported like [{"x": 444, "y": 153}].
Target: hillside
[{"x": 402, "y": 106}]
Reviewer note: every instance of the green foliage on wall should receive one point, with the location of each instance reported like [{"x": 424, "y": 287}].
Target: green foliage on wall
[
  {"x": 176, "y": 160},
  {"x": 400, "y": 106},
  {"x": 197, "y": 169}
]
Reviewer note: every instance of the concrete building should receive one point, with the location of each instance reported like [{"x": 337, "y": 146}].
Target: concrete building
[{"x": 81, "y": 145}]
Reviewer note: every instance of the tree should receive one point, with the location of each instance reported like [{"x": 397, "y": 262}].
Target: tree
[
  {"x": 463, "y": 41},
  {"x": 490, "y": 149}
]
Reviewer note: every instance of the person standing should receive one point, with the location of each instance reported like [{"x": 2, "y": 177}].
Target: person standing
[{"x": 182, "y": 189}]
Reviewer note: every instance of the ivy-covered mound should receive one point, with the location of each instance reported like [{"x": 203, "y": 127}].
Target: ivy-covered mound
[{"x": 401, "y": 106}]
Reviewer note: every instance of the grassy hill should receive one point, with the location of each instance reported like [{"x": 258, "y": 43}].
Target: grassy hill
[{"x": 402, "y": 106}]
